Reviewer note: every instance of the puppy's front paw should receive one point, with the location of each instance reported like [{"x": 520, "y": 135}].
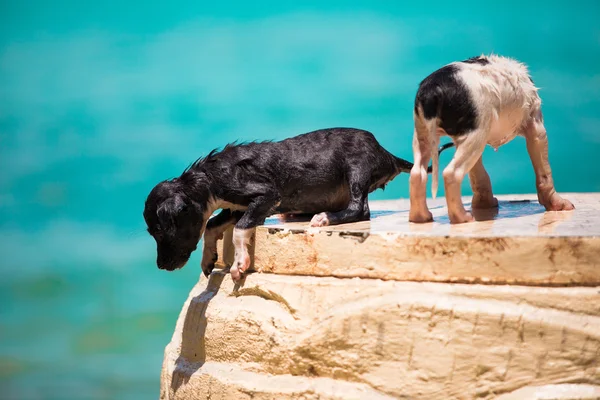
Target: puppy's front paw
[
  {"x": 240, "y": 265},
  {"x": 319, "y": 220},
  {"x": 208, "y": 262},
  {"x": 557, "y": 203}
]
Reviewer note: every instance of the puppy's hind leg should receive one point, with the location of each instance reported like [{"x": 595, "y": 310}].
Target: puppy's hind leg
[
  {"x": 358, "y": 207},
  {"x": 469, "y": 148},
  {"x": 481, "y": 187},
  {"x": 537, "y": 147},
  {"x": 215, "y": 227},
  {"x": 422, "y": 147}
]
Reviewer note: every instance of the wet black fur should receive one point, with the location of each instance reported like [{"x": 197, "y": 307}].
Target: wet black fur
[
  {"x": 445, "y": 96},
  {"x": 328, "y": 170}
]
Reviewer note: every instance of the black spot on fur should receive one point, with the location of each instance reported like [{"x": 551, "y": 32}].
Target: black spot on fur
[
  {"x": 445, "y": 96},
  {"x": 477, "y": 60}
]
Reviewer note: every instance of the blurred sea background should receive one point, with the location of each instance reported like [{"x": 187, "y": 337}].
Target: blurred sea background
[{"x": 99, "y": 101}]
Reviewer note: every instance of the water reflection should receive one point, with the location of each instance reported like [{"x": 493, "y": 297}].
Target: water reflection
[
  {"x": 533, "y": 220},
  {"x": 505, "y": 209},
  {"x": 552, "y": 219}
]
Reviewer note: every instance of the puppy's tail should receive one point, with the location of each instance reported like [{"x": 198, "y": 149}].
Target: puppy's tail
[
  {"x": 435, "y": 160},
  {"x": 434, "y": 169},
  {"x": 405, "y": 166}
]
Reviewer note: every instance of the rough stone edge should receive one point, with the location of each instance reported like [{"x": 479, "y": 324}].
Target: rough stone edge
[{"x": 543, "y": 261}]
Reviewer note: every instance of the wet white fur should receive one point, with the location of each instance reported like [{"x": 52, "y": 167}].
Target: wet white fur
[{"x": 504, "y": 98}]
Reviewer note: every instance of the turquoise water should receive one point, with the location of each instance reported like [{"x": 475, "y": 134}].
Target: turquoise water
[{"x": 98, "y": 102}]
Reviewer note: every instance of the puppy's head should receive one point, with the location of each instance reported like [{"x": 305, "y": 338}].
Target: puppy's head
[{"x": 175, "y": 222}]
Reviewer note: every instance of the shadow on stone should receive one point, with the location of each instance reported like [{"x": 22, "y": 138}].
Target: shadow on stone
[{"x": 193, "y": 347}]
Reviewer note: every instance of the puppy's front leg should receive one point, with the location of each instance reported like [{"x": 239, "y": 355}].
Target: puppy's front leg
[
  {"x": 537, "y": 147},
  {"x": 243, "y": 233},
  {"x": 242, "y": 242},
  {"x": 468, "y": 152},
  {"x": 215, "y": 228}
]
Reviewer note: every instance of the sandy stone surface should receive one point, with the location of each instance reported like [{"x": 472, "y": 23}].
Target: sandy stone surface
[
  {"x": 292, "y": 337},
  {"x": 374, "y": 311},
  {"x": 518, "y": 243}
]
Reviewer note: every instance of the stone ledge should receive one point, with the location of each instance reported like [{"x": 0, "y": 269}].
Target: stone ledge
[{"x": 519, "y": 244}]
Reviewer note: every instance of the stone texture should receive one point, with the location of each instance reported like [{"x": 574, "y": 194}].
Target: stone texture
[
  {"x": 281, "y": 337},
  {"x": 557, "y": 248},
  {"x": 412, "y": 334}
]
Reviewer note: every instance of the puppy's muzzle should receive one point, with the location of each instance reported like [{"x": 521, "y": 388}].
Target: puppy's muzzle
[
  {"x": 170, "y": 267},
  {"x": 173, "y": 264}
]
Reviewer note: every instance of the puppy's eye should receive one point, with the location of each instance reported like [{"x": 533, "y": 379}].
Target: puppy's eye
[{"x": 154, "y": 230}]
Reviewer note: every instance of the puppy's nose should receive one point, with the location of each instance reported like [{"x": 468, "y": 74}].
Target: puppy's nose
[
  {"x": 170, "y": 265},
  {"x": 163, "y": 264},
  {"x": 167, "y": 267}
]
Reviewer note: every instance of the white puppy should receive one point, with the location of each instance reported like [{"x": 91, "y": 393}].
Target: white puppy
[{"x": 480, "y": 101}]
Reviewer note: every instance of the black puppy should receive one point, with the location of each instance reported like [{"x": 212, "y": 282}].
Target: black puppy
[{"x": 328, "y": 173}]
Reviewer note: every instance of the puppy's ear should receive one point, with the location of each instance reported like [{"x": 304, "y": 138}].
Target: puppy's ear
[{"x": 169, "y": 210}]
